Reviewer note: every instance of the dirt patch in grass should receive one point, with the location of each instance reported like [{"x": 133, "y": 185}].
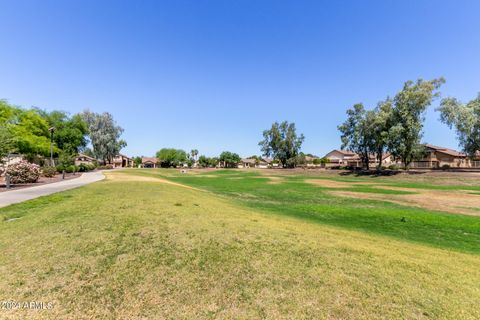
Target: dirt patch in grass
[
  {"x": 129, "y": 178},
  {"x": 335, "y": 184},
  {"x": 458, "y": 202}
]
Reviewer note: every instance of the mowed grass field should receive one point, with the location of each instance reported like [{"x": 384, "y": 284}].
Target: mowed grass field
[{"x": 233, "y": 244}]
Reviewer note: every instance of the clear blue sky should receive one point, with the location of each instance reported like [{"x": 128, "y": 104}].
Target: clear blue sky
[{"x": 212, "y": 75}]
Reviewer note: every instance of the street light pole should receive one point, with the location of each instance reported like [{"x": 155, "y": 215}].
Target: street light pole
[{"x": 52, "y": 130}]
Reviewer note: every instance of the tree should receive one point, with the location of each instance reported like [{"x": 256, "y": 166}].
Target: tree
[
  {"x": 6, "y": 143},
  {"x": 194, "y": 153},
  {"x": 206, "y": 162},
  {"x": 104, "y": 135},
  {"x": 407, "y": 117},
  {"x": 381, "y": 124},
  {"x": 137, "y": 161},
  {"x": 281, "y": 142},
  {"x": 465, "y": 118},
  {"x": 70, "y": 132},
  {"x": 356, "y": 133},
  {"x": 170, "y": 157},
  {"x": 28, "y": 129},
  {"x": 229, "y": 159}
]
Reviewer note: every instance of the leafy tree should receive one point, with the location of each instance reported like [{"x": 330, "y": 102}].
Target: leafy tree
[
  {"x": 356, "y": 133},
  {"x": 203, "y": 161},
  {"x": 137, "y": 161},
  {"x": 28, "y": 129},
  {"x": 298, "y": 160},
  {"x": 194, "y": 154},
  {"x": 407, "y": 117},
  {"x": 281, "y": 142},
  {"x": 6, "y": 143},
  {"x": 229, "y": 159},
  {"x": 170, "y": 157},
  {"x": 104, "y": 135},
  {"x": 380, "y": 126},
  {"x": 465, "y": 118},
  {"x": 70, "y": 132}
]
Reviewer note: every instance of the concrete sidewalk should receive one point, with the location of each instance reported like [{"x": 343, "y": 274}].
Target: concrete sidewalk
[{"x": 15, "y": 196}]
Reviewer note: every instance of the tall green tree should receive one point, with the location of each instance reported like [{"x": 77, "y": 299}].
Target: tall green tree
[
  {"x": 380, "y": 127},
  {"x": 29, "y": 130},
  {"x": 170, "y": 157},
  {"x": 465, "y": 118},
  {"x": 356, "y": 133},
  {"x": 194, "y": 154},
  {"x": 282, "y": 142},
  {"x": 6, "y": 143},
  {"x": 229, "y": 159},
  {"x": 104, "y": 134},
  {"x": 408, "y": 115},
  {"x": 137, "y": 160},
  {"x": 70, "y": 132}
]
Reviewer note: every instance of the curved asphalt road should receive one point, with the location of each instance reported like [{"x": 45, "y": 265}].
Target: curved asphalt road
[{"x": 15, "y": 196}]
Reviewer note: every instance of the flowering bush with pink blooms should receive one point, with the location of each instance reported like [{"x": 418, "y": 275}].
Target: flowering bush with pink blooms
[{"x": 23, "y": 172}]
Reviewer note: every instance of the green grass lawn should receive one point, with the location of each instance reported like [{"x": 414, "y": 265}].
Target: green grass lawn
[
  {"x": 132, "y": 247},
  {"x": 295, "y": 198}
]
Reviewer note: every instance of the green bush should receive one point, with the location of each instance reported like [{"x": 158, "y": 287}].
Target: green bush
[
  {"x": 85, "y": 167},
  {"x": 106, "y": 167},
  {"x": 49, "y": 171},
  {"x": 70, "y": 169},
  {"x": 445, "y": 167},
  {"x": 393, "y": 167}
]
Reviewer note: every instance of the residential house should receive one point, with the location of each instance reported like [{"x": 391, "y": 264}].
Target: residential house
[
  {"x": 438, "y": 157},
  {"x": 264, "y": 163},
  {"x": 343, "y": 158},
  {"x": 247, "y": 163},
  {"x": 309, "y": 161},
  {"x": 84, "y": 159},
  {"x": 150, "y": 162},
  {"x": 122, "y": 161}
]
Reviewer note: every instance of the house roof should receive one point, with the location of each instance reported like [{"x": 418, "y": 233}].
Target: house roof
[
  {"x": 124, "y": 156},
  {"x": 344, "y": 152},
  {"x": 448, "y": 151},
  {"x": 85, "y": 156},
  {"x": 249, "y": 160},
  {"x": 149, "y": 159}
]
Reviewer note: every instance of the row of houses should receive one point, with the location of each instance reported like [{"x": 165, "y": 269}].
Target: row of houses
[
  {"x": 119, "y": 161},
  {"x": 434, "y": 157}
]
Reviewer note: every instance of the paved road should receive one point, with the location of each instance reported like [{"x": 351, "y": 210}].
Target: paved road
[{"x": 15, "y": 196}]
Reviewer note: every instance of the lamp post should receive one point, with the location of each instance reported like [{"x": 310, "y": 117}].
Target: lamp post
[{"x": 52, "y": 130}]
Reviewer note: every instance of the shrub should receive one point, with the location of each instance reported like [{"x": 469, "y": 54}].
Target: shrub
[
  {"x": 393, "y": 167},
  {"x": 71, "y": 168},
  {"x": 84, "y": 167},
  {"x": 49, "y": 171},
  {"x": 23, "y": 172},
  {"x": 106, "y": 167},
  {"x": 445, "y": 167}
]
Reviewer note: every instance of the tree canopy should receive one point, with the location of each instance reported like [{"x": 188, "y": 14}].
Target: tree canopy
[
  {"x": 229, "y": 159},
  {"x": 104, "y": 135},
  {"x": 70, "y": 132},
  {"x": 281, "y": 142},
  {"x": 407, "y": 117},
  {"x": 465, "y": 118},
  {"x": 170, "y": 157},
  {"x": 29, "y": 131},
  {"x": 357, "y": 132}
]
